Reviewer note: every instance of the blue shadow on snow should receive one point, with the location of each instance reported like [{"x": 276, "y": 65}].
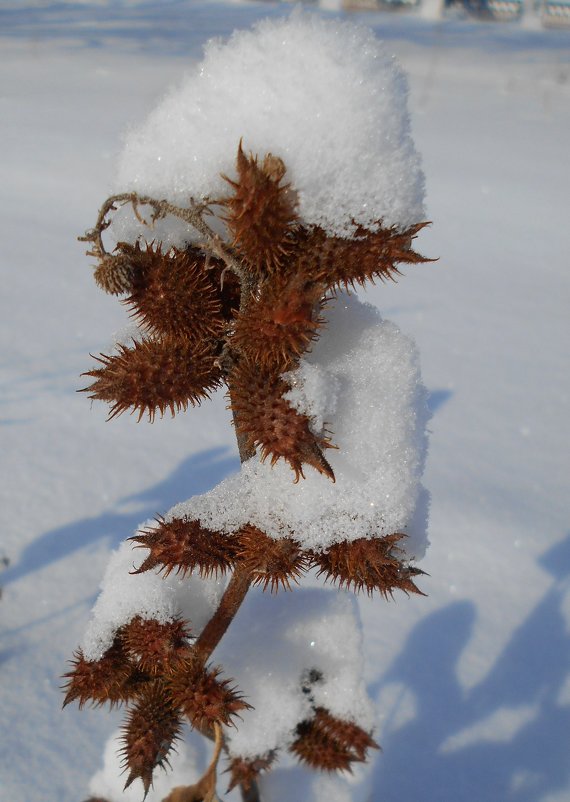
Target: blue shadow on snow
[
  {"x": 438, "y": 755},
  {"x": 193, "y": 476}
]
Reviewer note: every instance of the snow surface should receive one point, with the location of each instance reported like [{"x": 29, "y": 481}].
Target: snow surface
[
  {"x": 323, "y": 95},
  {"x": 471, "y": 685}
]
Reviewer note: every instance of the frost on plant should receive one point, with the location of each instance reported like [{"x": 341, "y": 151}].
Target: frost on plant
[{"x": 276, "y": 179}]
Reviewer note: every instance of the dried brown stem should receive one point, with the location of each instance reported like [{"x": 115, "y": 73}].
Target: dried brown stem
[
  {"x": 193, "y": 215},
  {"x": 230, "y": 603},
  {"x": 215, "y": 629},
  {"x": 251, "y": 794}
]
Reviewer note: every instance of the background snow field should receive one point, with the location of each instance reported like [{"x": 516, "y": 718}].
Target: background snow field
[{"x": 471, "y": 685}]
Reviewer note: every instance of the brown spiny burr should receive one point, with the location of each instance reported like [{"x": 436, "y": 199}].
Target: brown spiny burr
[
  {"x": 347, "y": 734},
  {"x": 152, "y": 726},
  {"x": 279, "y": 325},
  {"x": 204, "y": 698},
  {"x": 246, "y": 771},
  {"x": 157, "y": 647},
  {"x": 184, "y": 546},
  {"x": 270, "y": 423},
  {"x": 272, "y": 562},
  {"x": 368, "y": 255},
  {"x": 261, "y": 213},
  {"x": 154, "y": 376},
  {"x": 114, "y": 273},
  {"x": 331, "y": 744},
  {"x": 114, "y": 678},
  {"x": 368, "y": 564},
  {"x": 173, "y": 294}
]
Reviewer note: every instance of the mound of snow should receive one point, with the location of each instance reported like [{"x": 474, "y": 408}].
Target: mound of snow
[
  {"x": 362, "y": 379},
  {"x": 324, "y": 96}
]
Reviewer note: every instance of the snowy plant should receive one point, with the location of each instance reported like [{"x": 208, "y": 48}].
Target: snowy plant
[{"x": 278, "y": 177}]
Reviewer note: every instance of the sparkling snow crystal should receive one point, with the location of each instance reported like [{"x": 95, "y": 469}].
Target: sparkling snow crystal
[{"x": 324, "y": 96}]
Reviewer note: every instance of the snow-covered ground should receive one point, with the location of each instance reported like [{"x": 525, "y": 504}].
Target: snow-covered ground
[{"x": 472, "y": 683}]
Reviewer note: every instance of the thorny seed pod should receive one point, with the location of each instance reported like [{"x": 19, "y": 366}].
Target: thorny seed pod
[
  {"x": 174, "y": 295},
  {"x": 156, "y": 647},
  {"x": 269, "y": 422},
  {"x": 113, "y": 678},
  {"x": 261, "y": 213},
  {"x": 114, "y": 273},
  {"x": 279, "y": 325},
  {"x": 330, "y": 744},
  {"x": 152, "y": 726},
  {"x": 273, "y": 562},
  {"x": 203, "y": 698},
  {"x": 245, "y": 771},
  {"x": 367, "y": 256},
  {"x": 184, "y": 546},
  {"x": 153, "y": 376},
  {"x": 347, "y": 734},
  {"x": 243, "y": 312},
  {"x": 368, "y": 564}
]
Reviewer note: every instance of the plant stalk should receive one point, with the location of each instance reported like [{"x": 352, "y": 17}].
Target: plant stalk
[{"x": 230, "y": 603}]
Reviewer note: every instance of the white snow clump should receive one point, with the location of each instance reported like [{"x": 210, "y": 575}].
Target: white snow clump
[
  {"x": 361, "y": 379},
  {"x": 325, "y": 96},
  {"x": 125, "y": 595}
]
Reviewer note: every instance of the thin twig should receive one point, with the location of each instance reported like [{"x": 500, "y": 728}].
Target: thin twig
[{"x": 193, "y": 215}]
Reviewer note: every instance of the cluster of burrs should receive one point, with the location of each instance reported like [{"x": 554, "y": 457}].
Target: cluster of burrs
[{"x": 238, "y": 310}]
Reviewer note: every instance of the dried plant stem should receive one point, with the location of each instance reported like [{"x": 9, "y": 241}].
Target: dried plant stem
[
  {"x": 251, "y": 794},
  {"x": 230, "y": 603},
  {"x": 213, "y": 632},
  {"x": 193, "y": 215}
]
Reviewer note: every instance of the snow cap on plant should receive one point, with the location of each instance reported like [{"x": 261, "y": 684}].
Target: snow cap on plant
[{"x": 324, "y": 97}]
